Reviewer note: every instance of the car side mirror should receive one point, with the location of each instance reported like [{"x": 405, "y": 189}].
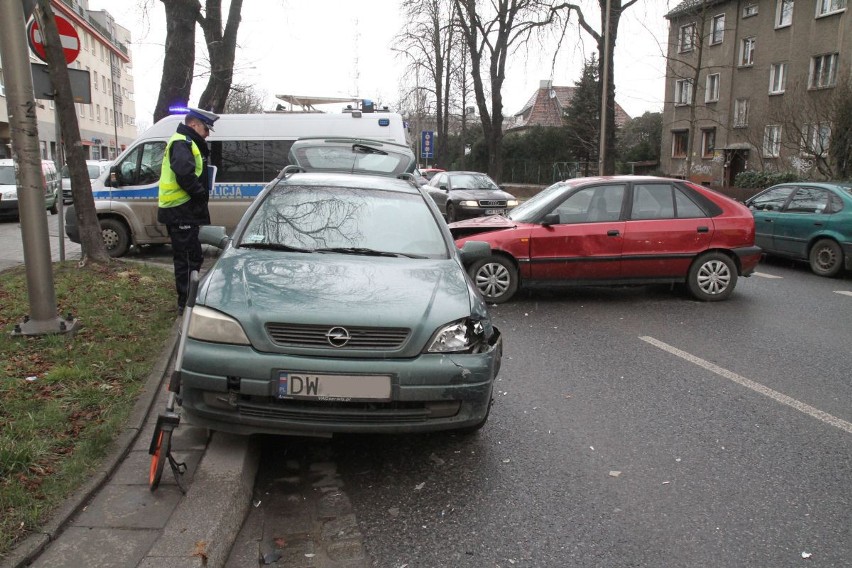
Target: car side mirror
[
  {"x": 443, "y": 187},
  {"x": 472, "y": 251},
  {"x": 214, "y": 235},
  {"x": 112, "y": 180},
  {"x": 550, "y": 219}
]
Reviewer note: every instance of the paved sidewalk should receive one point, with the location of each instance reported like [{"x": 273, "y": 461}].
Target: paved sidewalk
[{"x": 116, "y": 521}]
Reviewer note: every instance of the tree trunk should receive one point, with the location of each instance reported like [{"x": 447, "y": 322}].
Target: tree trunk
[
  {"x": 179, "y": 61},
  {"x": 222, "y": 48},
  {"x": 91, "y": 241}
]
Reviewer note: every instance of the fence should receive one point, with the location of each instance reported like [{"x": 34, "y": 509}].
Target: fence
[{"x": 545, "y": 173}]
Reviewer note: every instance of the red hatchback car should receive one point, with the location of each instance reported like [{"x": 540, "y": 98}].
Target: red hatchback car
[{"x": 615, "y": 230}]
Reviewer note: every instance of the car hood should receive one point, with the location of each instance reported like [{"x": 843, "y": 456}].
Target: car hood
[
  {"x": 481, "y": 225},
  {"x": 260, "y": 287},
  {"x": 480, "y": 194}
]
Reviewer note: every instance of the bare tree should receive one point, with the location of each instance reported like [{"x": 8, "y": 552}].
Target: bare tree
[
  {"x": 244, "y": 99},
  {"x": 179, "y": 60},
  {"x": 91, "y": 241},
  {"x": 491, "y": 37},
  {"x": 221, "y": 48}
]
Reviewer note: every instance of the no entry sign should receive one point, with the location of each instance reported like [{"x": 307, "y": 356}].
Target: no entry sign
[{"x": 67, "y": 34}]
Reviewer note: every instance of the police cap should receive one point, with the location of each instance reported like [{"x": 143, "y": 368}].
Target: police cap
[{"x": 207, "y": 117}]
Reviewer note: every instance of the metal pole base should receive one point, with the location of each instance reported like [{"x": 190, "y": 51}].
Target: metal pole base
[{"x": 46, "y": 327}]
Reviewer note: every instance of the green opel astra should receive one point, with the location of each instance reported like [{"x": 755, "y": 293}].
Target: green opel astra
[{"x": 340, "y": 304}]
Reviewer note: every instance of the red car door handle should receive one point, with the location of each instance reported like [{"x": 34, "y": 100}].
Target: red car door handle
[
  {"x": 612, "y": 233},
  {"x": 703, "y": 229}
]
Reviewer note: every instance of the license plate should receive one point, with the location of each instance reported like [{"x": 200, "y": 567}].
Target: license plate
[
  {"x": 493, "y": 211},
  {"x": 343, "y": 388}
]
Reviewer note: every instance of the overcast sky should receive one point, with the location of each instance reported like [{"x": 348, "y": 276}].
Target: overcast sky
[{"x": 344, "y": 48}]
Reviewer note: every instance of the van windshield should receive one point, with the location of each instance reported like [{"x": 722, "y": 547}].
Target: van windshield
[{"x": 7, "y": 175}]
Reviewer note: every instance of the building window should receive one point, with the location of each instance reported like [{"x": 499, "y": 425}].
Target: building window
[
  {"x": 784, "y": 13},
  {"x": 740, "y": 113},
  {"x": 95, "y": 80},
  {"x": 777, "y": 78},
  {"x": 708, "y": 142},
  {"x": 823, "y": 71},
  {"x": 686, "y": 40},
  {"x": 103, "y": 83},
  {"x": 826, "y": 7},
  {"x": 772, "y": 141},
  {"x": 711, "y": 93},
  {"x": 747, "y": 52},
  {"x": 750, "y": 10},
  {"x": 683, "y": 92},
  {"x": 680, "y": 139},
  {"x": 91, "y": 112},
  {"x": 815, "y": 139},
  {"x": 98, "y": 112},
  {"x": 717, "y": 29}
]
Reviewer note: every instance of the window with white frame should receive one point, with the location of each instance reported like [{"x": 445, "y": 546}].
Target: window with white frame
[
  {"x": 686, "y": 39},
  {"x": 784, "y": 13},
  {"x": 717, "y": 29},
  {"x": 750, "y": 10},
  {"x": 772, "y": 141},
  {"x": 680, "y": 140},
  {"x": 826, "y": 7},
  {"x": 98, "y": 113},
  {"x": 91, "y": 112},
  {"x": 823, "y": 71},
  {"x": 777, "y": 78},
  {"x": 683, "y": 91},
  {"x": 747, "y": 51},
  {"x": 711, "y": 92},
  {"x": 708, "y": 142},
  {"x": 815, "y": 139},
  {"x": 740, "y": 113}
]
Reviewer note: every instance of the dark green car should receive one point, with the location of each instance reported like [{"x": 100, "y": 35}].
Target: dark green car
[
  {"x": 340, "y": 304},
  {"x": 809, "y": 221}
]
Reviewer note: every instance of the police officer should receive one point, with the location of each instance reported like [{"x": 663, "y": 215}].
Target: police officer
[{"x": 184, "y": 192}]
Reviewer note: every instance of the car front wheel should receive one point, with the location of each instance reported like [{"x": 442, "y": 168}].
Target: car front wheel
[
  {"x": 712, "y": 277},
  {"x": 496, "y": 278},
  {"x": 116, "y": 237},
  {"x": 451, "y": 213},
  {"x": 826, "y": 258}
]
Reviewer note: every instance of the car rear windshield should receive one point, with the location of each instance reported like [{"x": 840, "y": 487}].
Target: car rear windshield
[
  {"x": 318, "y": 217},
  {"x": 359, "y": 158},
  {"x": 7, "y": 175}
]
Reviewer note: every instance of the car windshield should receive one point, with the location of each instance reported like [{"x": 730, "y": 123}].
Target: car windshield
[
  {"x": 351, "y": 157},
  {"x": 94, "y": 171},
  {"x": 472, "y": 181},
  {"x": 533, "y": 207},
  {"x": 345, "y": 220},
  {"x": 7, "y": 175}
]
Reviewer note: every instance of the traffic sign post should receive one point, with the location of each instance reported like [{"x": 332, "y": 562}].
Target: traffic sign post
[
  {"x": 67, "y": 35},
  {"x": 427, "y": 149}
]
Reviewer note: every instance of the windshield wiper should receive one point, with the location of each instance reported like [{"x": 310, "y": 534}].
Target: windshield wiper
[
  {"x": 358, "y": 250},
  {"x": 363, "y": 149},
  {"x": 273, "y": 246}
]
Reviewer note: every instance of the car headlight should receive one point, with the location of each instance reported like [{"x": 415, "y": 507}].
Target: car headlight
[
  {"x": 512, "y": 203},
  {"x": 456, "y": 337},
  {"x": 209, "y": 325},
  {"x": 468, "y": 203}
]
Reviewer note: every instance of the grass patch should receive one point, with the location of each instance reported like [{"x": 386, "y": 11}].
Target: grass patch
[{"x": 63, "y": 398}]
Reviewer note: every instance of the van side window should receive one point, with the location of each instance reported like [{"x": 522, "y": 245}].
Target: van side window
[
  {"x": 142, "y": 165},
  {"x": 249, "y": 160}
]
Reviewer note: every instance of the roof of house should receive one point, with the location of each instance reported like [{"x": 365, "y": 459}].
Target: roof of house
[
  {"x": 547, "y": 106},
  {"x": 688, "y": 6}
]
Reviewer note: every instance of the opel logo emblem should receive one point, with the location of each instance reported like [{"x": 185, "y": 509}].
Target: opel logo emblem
[{"x": 338, "y": 336}]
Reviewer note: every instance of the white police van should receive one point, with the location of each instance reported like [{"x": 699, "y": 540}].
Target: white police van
[{"x": 248, "y": 150}]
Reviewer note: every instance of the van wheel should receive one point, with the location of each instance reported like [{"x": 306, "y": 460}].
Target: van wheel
[{"x": 116, "y": 237}]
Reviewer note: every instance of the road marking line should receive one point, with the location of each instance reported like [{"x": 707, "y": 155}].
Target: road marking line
[
  {"x": 844, "y": 292},
  {"x": 756, "y": 387},
  {"x": 765, "y": 275}
]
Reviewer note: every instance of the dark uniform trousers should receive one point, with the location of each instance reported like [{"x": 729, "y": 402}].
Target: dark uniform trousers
[{"x": 186, "y": 251}]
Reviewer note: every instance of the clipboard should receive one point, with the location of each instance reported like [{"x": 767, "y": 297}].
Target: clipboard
[{"x": 211, "y": 177}]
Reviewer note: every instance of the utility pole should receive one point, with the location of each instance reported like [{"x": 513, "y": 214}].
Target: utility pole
[
  {"x": 43, "y": 318},
  {"x": 604, "y": 93}
]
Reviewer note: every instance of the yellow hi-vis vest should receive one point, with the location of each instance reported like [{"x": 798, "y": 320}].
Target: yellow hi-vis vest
[{"x": 171, "y": 194}]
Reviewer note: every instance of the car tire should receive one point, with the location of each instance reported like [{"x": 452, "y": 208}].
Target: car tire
[
  {"x": 116, "y": 237},
  {"x": 826, "y": 258},
  {"x": 495, "y": 277},
  {"x": 451, "y": 213},
  {"x": 712, "y": 277}
]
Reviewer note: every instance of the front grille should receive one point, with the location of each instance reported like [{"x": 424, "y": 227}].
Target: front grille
[
  {"x": 298, "y": 335},
  {"x": 382, "y": 412},
  {"x": 492, "y": 202}
]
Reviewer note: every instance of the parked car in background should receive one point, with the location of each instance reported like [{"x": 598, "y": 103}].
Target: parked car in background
[
  {"x": 810, "y": 221},
  {"x": 462, "y": 195},
  {"x": 340, "y": 304},
  {"x": 96, "y": 169},
  {"x": 9, "y": 187},
  {"x": 616, "y": 230},
  {"x": 429, "y": 173}
]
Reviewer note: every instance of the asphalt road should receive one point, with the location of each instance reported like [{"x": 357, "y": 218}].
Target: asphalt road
[{"x": 632, "y": 427}]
